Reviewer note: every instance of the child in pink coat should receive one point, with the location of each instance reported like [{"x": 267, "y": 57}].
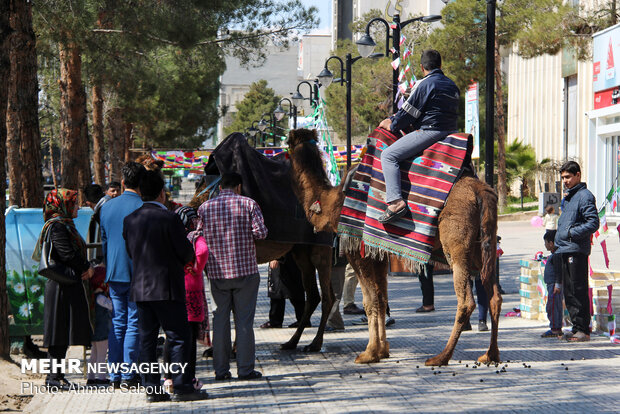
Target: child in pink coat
[{"x": 195, "y": 299}]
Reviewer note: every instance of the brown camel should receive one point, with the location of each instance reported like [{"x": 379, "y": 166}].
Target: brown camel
[
  {"x": 467, "y": 235},
  {"x": 310, "y": 259}
]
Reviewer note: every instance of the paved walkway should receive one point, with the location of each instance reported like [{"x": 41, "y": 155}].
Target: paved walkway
[{"x": 559, "y": 377}]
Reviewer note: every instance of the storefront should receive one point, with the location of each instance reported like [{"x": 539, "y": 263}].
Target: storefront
[{"x": 604, "y": 122}]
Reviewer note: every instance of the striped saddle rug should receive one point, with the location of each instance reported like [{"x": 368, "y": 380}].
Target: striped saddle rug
[{"x": 427, "y": 181}]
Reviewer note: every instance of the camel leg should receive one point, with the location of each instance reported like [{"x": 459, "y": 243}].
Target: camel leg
[
  {"x": 301, "y": 254},
  {"x": 321, "y": 260},
  {"x": 495, "y": 307},
  {"x": 372, "y": 276},
  {"x": 465, "y": 307}
]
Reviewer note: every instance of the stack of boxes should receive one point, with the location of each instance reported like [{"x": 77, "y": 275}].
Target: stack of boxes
[
  {"x": 532, "y": 302},
  {"x": 532, "y": 306},
  {"x": 599, "y": 281}
]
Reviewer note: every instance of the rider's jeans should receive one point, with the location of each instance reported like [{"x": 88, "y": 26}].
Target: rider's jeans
[{"x": 405, "y": 148}]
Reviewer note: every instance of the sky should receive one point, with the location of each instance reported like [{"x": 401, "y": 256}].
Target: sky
[{"x": 325, "y": 12}]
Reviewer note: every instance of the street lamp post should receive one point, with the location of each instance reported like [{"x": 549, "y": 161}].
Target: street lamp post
[
  {"x": 365, "y": 45},
  {"x": 280, "y": 112},
  {"x": 252, "y": 131},
  {"x": 262, "y": 125},
  {"x": 326, "y": 77},
  {"x": 298, "y": 98},
  {"x": 490, "y": 95}
]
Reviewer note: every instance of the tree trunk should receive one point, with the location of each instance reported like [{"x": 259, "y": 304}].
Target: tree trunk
[
  {"x": 116, "y": 137},
  {"x": 98, "y": 141},
  {"x": 52, "y": 158},
  {"x": 74, "y": 158},
  {"x": 502, "y": 186},
  {"x": 5, "y": 31},
  {"x": 23, "y": 107},
  {"x": 128, "y": 140}
]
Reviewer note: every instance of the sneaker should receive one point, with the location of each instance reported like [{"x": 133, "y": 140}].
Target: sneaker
[
  {"x": 251, "y": 376},
  {"x": 389, "y": 321},
  {"x": 268, "y": 325},
  {"x": 59, "y": 384},
  {"x": 579, "y": 337},
  {"x": 190, "y": 396},
  {"x": 224, "y": 377},
  {"x": 482, "y": 326},
  {"x": 353, "y": 309},
  {"x": 361, "y": 321},
  {"x": 157, "y": 397}
]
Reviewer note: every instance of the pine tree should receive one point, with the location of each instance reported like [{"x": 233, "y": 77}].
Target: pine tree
[{"x": 258, "y": 101}]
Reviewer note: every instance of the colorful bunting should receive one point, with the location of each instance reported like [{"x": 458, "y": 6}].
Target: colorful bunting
[
  {"x": 604, "y": 247},
  {"x": 401, "y": 75},
  {"x": 610, "y": 288},
  {"x": 396, "y": 63},
  {"x": 402, "y": 40},
  {"x": 403, "y": 87},
  {"x": 407, "y": 53}
]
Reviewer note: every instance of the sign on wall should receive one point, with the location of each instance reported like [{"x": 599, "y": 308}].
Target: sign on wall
[
  {"x": 472, "y": 119},
  {"x": 605, "y": 54}
]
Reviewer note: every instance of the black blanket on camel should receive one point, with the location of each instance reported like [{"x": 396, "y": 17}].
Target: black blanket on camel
[{"x": 267, "y": 181}]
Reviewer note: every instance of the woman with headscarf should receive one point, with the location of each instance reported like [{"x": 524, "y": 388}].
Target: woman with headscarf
[{"x": 65, "y": 315}]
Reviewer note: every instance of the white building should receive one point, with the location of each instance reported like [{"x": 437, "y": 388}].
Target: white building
[
  {"x": 551, "y": 106},
  {"x": 283, "y": 70},
  {"x": 346, "y": 11}
]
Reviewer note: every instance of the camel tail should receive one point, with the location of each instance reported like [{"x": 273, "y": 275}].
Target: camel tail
[{"x": 488, "y": 233}]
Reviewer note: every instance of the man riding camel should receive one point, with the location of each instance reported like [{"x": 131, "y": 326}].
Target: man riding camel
[{"x": 431, "y": 113}]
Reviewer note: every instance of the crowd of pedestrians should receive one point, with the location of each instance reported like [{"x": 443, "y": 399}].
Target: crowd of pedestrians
[{"x": 144, "y": 273}]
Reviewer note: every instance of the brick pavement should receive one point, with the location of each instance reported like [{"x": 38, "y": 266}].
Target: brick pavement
[{"x": 329, "y": 381}]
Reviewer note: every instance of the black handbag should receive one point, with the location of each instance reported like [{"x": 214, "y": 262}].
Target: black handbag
[{"x": 53, "y": 270}]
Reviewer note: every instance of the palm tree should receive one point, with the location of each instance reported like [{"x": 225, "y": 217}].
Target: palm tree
[{"x": 520, "y": 163}]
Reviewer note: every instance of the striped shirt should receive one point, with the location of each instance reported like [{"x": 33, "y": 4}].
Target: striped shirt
[{"x": 230, "y": 223}]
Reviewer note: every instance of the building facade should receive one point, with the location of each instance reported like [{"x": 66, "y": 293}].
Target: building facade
[
  {"x": 346, "y": 11},
  {"x": 283, "y": 70}
]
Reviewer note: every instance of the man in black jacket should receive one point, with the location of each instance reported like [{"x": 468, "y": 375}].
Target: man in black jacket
[
  {"x": 578, "y": 221},
  {"x": 156, "y": 242}
]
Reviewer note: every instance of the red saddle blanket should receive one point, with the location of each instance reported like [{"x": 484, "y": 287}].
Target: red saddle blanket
[{"x": 426, "y": 183}]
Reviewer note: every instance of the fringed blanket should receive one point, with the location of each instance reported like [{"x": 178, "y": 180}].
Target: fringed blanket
[{"x": 427, "y": 180}]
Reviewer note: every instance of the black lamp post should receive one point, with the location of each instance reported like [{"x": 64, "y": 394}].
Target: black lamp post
[
  {"x": 326, "y": 77},
  {"x": 490, "y": 94},
  {"x": 280, "y": 112},
  {"x": 298, "y": 98},
  {"x": 365, "y": 45},
  {"x": 252, "y": 131},
  {"x": 263, "y": 125}
]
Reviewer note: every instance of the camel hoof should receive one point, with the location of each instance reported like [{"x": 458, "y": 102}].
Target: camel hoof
[
  {"x": 288, "y": 346},
  {"x": 385, "y": 351},
  {"x": 435, "y": 362},
  {"x": 486, "y": 358},
  {"x": 366, "y": 358},
  {"x": 312, "y": 348}
]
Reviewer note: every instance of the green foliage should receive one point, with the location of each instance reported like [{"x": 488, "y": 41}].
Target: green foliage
[
  {"x": 520, "y": 161},
  {"x": 161, "y": 61},
  {"x": 258, "y": 101}
]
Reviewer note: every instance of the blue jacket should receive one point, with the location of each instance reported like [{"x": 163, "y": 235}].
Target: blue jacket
[
  {"x": 118, "y": 263},
  {"x": 578, "y": 221},
  {"x": 553, "y": 269},
  {"x": 433, "y": 105}
]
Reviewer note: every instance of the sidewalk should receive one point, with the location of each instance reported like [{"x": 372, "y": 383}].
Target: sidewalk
[{"x": 329, "y": 381}]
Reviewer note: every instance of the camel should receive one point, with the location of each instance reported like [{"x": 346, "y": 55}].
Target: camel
[
  {"x": 467, "y": 235},
  {"x": 310, "y": 259}
]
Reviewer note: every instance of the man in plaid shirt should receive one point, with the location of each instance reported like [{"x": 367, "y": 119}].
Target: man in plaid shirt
[{"x": 230, "y": 223}]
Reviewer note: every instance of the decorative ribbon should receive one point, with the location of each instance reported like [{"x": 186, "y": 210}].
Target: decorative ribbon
[{"x": 396, "y": 63}]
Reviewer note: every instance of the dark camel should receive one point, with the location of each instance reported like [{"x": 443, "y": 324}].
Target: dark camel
[
  {"x": 310, "y": 259},
  {"x": 467, "y": 235}
]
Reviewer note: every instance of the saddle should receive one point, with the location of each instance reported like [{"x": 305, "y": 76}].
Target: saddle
[{"x": 426, "y": 183}]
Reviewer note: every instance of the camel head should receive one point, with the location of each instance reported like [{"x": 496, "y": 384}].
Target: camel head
[{"x": 300, "y": 136}]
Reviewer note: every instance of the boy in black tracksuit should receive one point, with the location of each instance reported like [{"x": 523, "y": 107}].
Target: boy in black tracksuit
[{"x": 578, "y": 221}]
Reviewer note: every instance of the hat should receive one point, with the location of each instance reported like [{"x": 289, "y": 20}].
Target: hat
[{"x": 187, "y": 215}]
